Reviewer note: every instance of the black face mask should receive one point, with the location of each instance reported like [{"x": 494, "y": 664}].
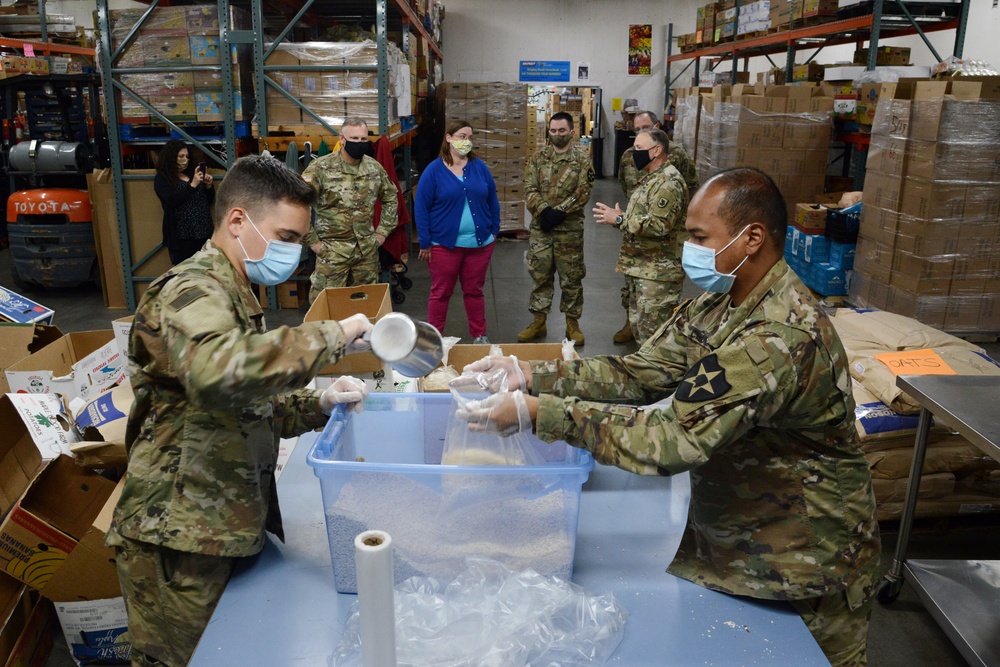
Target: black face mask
[
  {"x": 358, "y": 149},
  {"x": 641, "y": 158}
]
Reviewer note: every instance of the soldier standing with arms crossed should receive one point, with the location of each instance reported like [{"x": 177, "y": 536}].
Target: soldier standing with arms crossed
[
  {"x": 747, "y": 388},
  {"x": 652, "y": 233},
  {"x": 558, "y": 180},
  {"x": 628, "y": 178},
  {"x": 214, "y": 391},
  {"x": 343, "y": 237}
]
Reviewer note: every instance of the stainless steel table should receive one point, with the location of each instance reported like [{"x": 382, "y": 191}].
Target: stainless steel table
[
  {"x": 282, "y": 608},
  {"x": 963, "y": 596}
]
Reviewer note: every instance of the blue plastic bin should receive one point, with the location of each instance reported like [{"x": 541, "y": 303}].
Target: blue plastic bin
[{"x": 381, "y": 470}]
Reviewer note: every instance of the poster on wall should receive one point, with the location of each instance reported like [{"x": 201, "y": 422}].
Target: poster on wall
[
  {"x": 640, "y": 49},
  {"x": 544, "y": 71},
  {"x": 583, "y": 71}
]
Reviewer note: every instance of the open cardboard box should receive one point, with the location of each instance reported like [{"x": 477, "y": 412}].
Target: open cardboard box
[
  {"x": 48, "y": 521},
  {"x": 342, "y": 302},
  {"x": 16, "y": 308},
  {"x": 17, "y": 341},
  {"x": 25, "y": 625},
  {"x": 462, "y": 355},
  {"x": 81, "y": 364},
  {"x": 20, "y": 460}
]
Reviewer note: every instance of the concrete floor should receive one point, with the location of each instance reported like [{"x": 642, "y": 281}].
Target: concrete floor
[{"x": 902, "y": 633}]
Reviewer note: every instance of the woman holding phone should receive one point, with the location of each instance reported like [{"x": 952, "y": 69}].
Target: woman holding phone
[{"x": 186, "y": 194}]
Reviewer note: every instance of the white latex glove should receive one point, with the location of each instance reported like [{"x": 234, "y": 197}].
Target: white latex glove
[
  {"x": 345, "y": 389},
  {"x": 355, "y": 327},
  {"x": 492, "y": 374},
  {"x": 504, "y": 413}
]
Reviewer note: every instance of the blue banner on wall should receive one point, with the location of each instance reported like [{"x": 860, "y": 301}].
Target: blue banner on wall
[{"x": 544, "y": 70}]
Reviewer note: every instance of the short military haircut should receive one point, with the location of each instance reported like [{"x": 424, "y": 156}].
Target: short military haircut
[
  {"x": 562, "y": 115},
  {"x": 354, "y": 122},
  {"x": 659, "y": 137},
  {"x": 257, "y": 183},
  {"x": 751, "y": 196},
  {"x": 648, "y": 114}
]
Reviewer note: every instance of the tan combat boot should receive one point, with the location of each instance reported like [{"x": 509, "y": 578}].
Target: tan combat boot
[
  {"x": 573, "y": 331},
  {"x": 624, "y": 334},
  {"x": 534, "y": 330}
]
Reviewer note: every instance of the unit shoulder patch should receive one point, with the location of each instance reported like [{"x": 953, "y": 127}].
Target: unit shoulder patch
[{"x": 704, "y": 381}]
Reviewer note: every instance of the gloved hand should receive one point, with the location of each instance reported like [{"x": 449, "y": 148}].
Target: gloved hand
[
  {"x": 354, "y": 328},
  {"x": 504, "y": 414},
  {"x": 550, "y": 218},
  {"x": 345, "y": 389},
  {"x": 491, "y": 374}
]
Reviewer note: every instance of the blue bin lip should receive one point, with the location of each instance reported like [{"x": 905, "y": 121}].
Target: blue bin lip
[{"x": 340, "y": 414}]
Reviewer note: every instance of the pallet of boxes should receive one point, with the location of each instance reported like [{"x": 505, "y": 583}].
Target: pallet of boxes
[
  {"x": 64, "y": 419},
  {"x": 957, "y": 477},
  {"x": 498, "y": 114},
  {"x": 782, "y": 130},
  {"x": 928, "y": 244}
]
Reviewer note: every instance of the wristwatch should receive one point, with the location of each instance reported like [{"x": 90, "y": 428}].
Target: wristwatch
[{"x": 619, "y": 220}]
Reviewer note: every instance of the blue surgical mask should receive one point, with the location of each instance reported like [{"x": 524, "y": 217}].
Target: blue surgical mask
[
  {"x": 699, "y": 265},
  {"x": 278, "y": 263}
]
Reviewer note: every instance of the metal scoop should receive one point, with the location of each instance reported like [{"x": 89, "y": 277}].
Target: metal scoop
[{"x": 412, "y": 348}]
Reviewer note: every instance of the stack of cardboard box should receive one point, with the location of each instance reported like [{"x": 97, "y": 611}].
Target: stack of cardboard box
[
  {"x": 498, "y": 114},
  {"x": 928, "y": 241},
  {"x": 176, "y": 37},
  {"x": 754, "y": 17},
  {"x": 823, "y": 263},
  {"x": 705, "y": 24},
  {"x": 782, "y": 130},
  {"x": 333, "y": 95}
]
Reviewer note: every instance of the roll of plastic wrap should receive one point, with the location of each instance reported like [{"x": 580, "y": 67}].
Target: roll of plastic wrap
[{"x": 373, "y": 563}]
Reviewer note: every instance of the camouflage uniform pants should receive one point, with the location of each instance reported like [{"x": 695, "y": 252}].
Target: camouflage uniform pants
[
  {"x": 650, "y": 304},
  {"x": 840, "y": 631},
  {"x": 169, "y": 596},
  {"x": 626, "y": 289},
  {"x": 342, "y": 264},
  {"x": 547, "y": 254}
]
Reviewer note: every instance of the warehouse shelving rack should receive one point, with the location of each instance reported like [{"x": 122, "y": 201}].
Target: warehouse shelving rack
[{"x": 224, "y": 150}]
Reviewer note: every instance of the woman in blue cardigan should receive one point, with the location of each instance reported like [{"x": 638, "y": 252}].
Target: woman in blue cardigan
[{"x": 458, "y": 218}]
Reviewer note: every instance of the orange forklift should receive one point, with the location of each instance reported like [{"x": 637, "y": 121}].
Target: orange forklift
[{"x": 48, "y": 148}]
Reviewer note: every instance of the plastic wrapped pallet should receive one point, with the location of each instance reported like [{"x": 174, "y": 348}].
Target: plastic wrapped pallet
[
  {"x": 688, "y": 112},
  {"x": 927, "y": 245}
]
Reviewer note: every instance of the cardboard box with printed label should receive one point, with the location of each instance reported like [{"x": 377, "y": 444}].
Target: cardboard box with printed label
[
  {"x": 460, "y": 356},
  {"x": 47, "y": 522},
  {"x": 18, "y": 309},
  {"x": 18, "y": 341},
  {"x": 340, "y": 303},
  {"x": 81, "y": 364},
  {"x": 96, "y": 631}
]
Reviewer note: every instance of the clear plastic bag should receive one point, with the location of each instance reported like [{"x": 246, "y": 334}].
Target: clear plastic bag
[
  {"x": 476, "y": 443},
  {"x": 438, "y": 379},
  {"x": 490, "y": 616}
]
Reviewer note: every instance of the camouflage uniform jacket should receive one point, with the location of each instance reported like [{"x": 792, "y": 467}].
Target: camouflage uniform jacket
[
  {"x": 560, "y": 180},
  {"x": 213, "y": 393},
  {"x": 628, "y": 175},
  {"x": 653, "y": 230},
  {"x": 346, "y": 204},
  {"x": 761, "y": 414}
]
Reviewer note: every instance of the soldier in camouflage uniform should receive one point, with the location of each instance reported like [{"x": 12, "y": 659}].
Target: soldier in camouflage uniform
[
  {"x": 747, "y": 388},
  {"x": 343, "y": 237},
  {"x": 652, "y": 234},
  {"x": 558, "y": 180},
  {"x": 214, "y": 391},
  {"x": 628, "y": 178}
]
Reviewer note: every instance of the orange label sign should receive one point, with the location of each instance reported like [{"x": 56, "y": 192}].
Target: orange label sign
[{"x": 915, "y": 362}]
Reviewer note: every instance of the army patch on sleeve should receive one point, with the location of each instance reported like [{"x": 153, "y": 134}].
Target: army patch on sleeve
[{"x": 704, "y": 381}]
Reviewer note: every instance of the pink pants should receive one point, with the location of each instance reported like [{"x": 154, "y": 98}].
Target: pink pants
[{"x": 447, "y": 266}]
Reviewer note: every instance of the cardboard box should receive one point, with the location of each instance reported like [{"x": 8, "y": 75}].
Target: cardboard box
[
  {"x": 205, "y": 49},
  {"x": 339, "y": 303},
  {"x": 166, "y": 49},
  {"x": 47, "y": 522},
  {"x": 461, "y": 356},
  {"x": 81, "y": 364},
  {"x": 89, "y": 572},
  {"x": 96, "y": 631},
  {"x": 25, "y": 625},
  {"x": 16, "y": 308},
  {"x": 20, "y": 460},
  {"x": 18, "y": 341}
]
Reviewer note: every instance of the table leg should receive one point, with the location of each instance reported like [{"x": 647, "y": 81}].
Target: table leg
[{"x": 894, "y": 578}]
